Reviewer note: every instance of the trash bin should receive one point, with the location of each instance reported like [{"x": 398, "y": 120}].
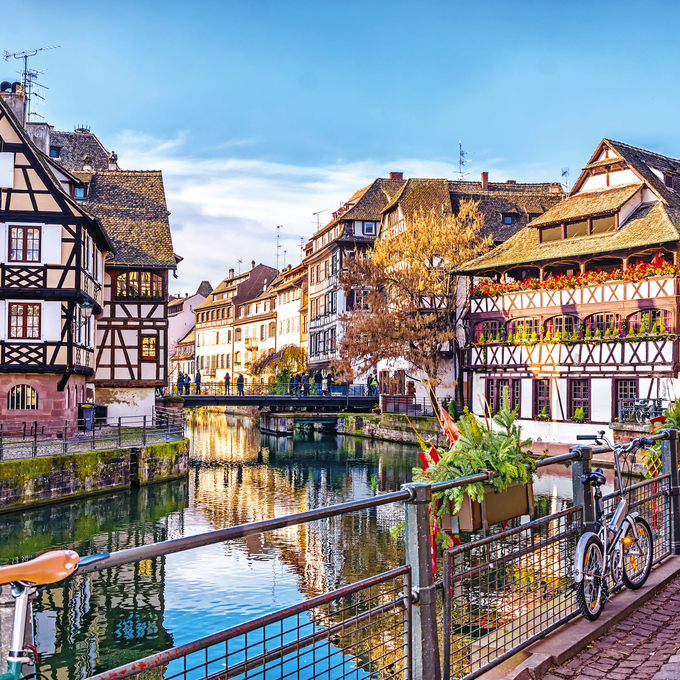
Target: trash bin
[
  {"x": 86, "y": 417},
  {"x": 101, "y": 414}
]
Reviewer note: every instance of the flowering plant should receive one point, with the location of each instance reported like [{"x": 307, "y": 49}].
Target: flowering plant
[{"x": 635, "y": 272}]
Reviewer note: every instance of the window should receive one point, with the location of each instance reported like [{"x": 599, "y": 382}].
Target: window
[
  {"x": 250, "y": 310},
  {"x": 495, "y": 388},
  {"x": 625, "y": 389},
  {"x": 508, "y": 218},
  {"x": 24, "y": 244},
  {"x": 237, "y": 335},
  {"x": 491, "y": 394},
  {"x": 257, "y": 308},
  {"x": 22, "y": 398},
  {"x": 334, "y": 264},
  {"x": 311, "y": 275},
  {"x": 533, "y": 216},
  {"x": 137, "y": 285},
  {"x": 55, "y": 152},
  {"x": 331, "y": 340},
  {"x": 579, "y": 393},
  {"x": 24, "y": 321},
  {"x": 228, "y": 337},
  {"x": 237, "y": 359},
  {"x": 272, "y": 329},
  {"x": 266, "y": 306},
  {"x": 577, "y": 229},
  {"x": 79, "y": 192},
  {"x": 541, "y": 396},
  {"x": 651, "y": 321},
  {"x": 603, "y": 225},
  {"x": 566, "y": 326},
  {"x": 149, "y": 347},
  {"x": 263, "y": 333},
  {"x": 549, "y": 234},
  {"x": 490, "y": 331},
  {"x": 603, "y": 322},
  {"x": 241, "y": 310},
  {"x": 369, "y": 228},
  {"x": 523, "y": 327}
]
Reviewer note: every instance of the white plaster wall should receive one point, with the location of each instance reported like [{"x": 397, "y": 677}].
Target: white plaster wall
[
  {"x": 526, "y": 395},
  {"x": 622, "y": 177},
  {"x": 601, "y": 400},
  {"x": 629, "y": 207},
  {"x": 559, "y": 395},
  {"x": 558, "y": 433},
  {"x": 126, "y": 401}
]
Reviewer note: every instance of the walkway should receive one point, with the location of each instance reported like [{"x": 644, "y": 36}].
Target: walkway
[
  {"x": 644, "y": 646},
  {"x": 335, "y": 402}
]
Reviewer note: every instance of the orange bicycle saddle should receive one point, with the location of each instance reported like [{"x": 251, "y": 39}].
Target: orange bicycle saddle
[{"x": 50, "y": 567}]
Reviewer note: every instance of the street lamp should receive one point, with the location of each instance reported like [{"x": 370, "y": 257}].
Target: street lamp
[{"x": 85, "y": 312}]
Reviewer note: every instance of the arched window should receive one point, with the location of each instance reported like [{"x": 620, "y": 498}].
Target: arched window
[
  {"x": 237, "y": 359},
  {"x": 22, "y": 398},
  {"x": 490, "y": 331},
  {"x": 607, "y": 321},
  {"x": 650, "y": 321},
  {"x": 272, "y": 329},
  {"x": 522, "y": 326},
  {"x": 566, "y": 326},
  {"x": 237, "y": 335}
]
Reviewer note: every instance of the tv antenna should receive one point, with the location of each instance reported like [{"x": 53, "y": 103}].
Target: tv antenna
[
  {"x": 462, "y": 161},
  {"x": 284, "y": 258},
  {"x": 29, "y": 78},
  {"x": 565, "y": 179},
  {"x": 239, "y": 265},
  {"x": 278, "y": 244},
  {"x": 316, "y": 214},
  {"x": 302, "y": 248}
]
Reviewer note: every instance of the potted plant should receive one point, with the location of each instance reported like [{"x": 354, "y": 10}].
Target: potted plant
[
  {"x": 543, "y": 416},
  {"x": 579, "y": 416},
  {"x": 173, "y": 401},
  {"x": 491, "y": 444}
]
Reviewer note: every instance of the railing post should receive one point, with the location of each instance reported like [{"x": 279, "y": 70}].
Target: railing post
[
  {"x": 424, "y": 636},
  {"x": 583, "y": 493},
  {"x": 65, "y": 436},
  {"x": 93, "y": 432},
  {"x": 120, "y": 436},
  {"x": 144, "y": 431},
  {"x": 669, "y": 465},
  {"x": 2, "y": 443},
  {"x": 35, "y": 438}
]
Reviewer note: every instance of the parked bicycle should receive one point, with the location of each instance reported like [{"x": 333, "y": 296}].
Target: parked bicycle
[
  {"x": 646, "y": 409},
  {"x": 26, "y": 579},
  {"x": 622, "y": 545}
]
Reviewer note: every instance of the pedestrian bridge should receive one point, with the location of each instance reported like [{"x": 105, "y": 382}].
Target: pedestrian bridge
[{"x": 275, "y": 402}]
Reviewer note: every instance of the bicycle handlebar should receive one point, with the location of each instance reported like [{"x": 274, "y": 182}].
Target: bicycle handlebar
[{"x": 90, "y": 559}]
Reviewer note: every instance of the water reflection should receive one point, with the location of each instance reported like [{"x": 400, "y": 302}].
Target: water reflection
[{"x": 237, "y": 475}]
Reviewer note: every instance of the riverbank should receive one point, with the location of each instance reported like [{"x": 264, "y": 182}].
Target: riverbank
[{"x": 30, "y": 482}]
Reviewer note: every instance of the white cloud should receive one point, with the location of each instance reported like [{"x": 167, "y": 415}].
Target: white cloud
[{"x": 225, "y": 209}]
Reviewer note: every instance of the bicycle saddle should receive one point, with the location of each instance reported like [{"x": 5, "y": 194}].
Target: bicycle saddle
[
  {"x": 594, "y": 477},
  {"x": 49, "y": 567}
]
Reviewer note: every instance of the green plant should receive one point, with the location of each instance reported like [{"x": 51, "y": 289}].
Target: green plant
[
  {"x": 587, "y": 333},
  {"x": 543, "y": 416},
  {"x": 172, "y": 399},
  {"x": 510, "y": 338},
  {"x": 598, "y": 333},
  {"x": 579, "y": 416},
  {"x": 452, "y": 407},
  {"x": 498, "y": 337},
  {"x": 607, "y": 333},
  {"x": 489, "y": 444},
  {"x": 481, "y": 338}
]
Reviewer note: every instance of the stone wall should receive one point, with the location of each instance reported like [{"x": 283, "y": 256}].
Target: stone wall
[
  {"x": 50, "y": 479},
  {"x": 393, "y": 427}
]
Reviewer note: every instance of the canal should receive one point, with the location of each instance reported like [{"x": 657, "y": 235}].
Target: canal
[{"x": 237, "y": 475}]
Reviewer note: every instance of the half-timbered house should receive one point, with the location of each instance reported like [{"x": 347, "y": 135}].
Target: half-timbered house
[
  {"x": 51, "y": 269},
  {"x": 577, "y": 313}
]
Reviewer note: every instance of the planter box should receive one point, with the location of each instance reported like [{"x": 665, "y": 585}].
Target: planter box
[{"x": 515, "y": 501}]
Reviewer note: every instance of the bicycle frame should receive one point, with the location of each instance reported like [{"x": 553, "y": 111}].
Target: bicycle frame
[{"x": 22, "y": 608}]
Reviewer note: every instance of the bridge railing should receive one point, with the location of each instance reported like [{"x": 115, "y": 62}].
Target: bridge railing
[
  {"x": 498, "y": 593},
  {"x": 258, "y": 389}
]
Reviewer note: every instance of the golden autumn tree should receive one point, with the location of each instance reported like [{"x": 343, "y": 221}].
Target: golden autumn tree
[{"x": 405, "y": 299}]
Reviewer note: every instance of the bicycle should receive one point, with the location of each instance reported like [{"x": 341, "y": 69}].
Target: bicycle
[
  {"x": 621, "y": 546},
  {"x": 26, "y": 579},
  {"x": 643, "y": 411}
]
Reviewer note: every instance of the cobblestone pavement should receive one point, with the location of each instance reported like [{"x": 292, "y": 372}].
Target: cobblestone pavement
[{"x": 644, "y": 646}]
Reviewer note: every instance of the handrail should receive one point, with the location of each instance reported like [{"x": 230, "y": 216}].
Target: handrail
[{"x": 144, "y": 552}]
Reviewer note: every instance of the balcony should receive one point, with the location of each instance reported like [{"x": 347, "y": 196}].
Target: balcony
[
  {"x": 252, "y": 343},
  {"x": 607, "y": 294}
]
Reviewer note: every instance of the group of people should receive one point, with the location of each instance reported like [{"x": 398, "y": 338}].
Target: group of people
[
  {"x": 239, "y": 384},
  {"x": 184, "y": 382},
  {"x": 300, "y": 384}
]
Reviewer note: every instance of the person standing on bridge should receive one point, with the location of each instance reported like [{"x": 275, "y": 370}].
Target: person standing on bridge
[
  {"x": 239, "y": 384},
  {"x": 291, "y": 384},
  {"x": 305, "y": 384},
  {"x": 227, "y": 383},
  {"x": 187, "y": 382},
  {"x": 198, "y": 381},
  {"x": 317, "y": 380},
  {"x": 180, "y": 382}
]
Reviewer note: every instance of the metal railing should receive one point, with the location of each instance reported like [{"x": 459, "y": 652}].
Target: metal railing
[
  {"x": 406, "y": 404},
  {"x": 219, "y": 389},
  {"x": 30, "y": 439},
  {"x": 500, "y": 592},
  {"x": 640, "y": 410}
]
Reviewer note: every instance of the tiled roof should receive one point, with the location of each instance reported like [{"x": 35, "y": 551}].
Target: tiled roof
[
  {"x": 589, "y": 203},
  {"x": 75, "y": 145},
  {"x": 131, "y": 207},
  {"x": 650, "y": 225},
  {"x": 421, "y": 193},
  {"x": 248, "y": 289},
  {"x": 371, "y": 200}
]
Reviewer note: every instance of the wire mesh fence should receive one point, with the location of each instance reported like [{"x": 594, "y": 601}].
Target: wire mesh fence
[
  {"x": 651, "y": 499},
  {"x": 31, "y": 439},
  {"x": 504, "y": 591},
  {"x": 359, "y": 631}
]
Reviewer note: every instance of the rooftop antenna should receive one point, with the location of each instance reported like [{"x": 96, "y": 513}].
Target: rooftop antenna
[
  {"x": 316, "y": 214},
  {"x": 302, "y": 248},
  {"x": 565, "y": 179},
  {"x": 29, "y": 78},
  {"x": 462, "y": 161},
  {"x": 284, "y": 258},
  {"x": 239, "y": 265},
  {"x": 278, "y": 244}
]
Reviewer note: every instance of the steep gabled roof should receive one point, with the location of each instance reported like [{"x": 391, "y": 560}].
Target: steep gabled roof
[
  {"x": 131, "y": 206},
  {"x": 421, "y": 193},
  {"x": 74, "y": 146},
  {"x": 370, "y": 201}
]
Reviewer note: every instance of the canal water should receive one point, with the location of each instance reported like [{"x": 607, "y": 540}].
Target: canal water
[{"x": 237, "y": 475}]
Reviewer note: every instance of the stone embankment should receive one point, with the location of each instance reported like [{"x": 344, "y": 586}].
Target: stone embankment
[{"x": 29, "y": 482}]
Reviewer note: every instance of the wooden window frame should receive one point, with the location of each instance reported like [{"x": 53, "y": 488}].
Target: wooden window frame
[
  {"x": 540, "y": 401},
  {"x": 616, "y": 382},
  {"x": 24, "y": 395},
  {"x": 579, "y": 402},
  {"x": 144, "y": 341},
  {"x": 135, "y": 282},
  {"x": 24, "y": 326},
  {"x": 24, "y": 228}
]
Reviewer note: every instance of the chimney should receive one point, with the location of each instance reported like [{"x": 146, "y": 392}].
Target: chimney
[
  {"x": 14, "y": 97},
  {"x": 252, "y": 264},
  {"x": 485, "y": 181},
  {"x": 510, "y": 181},
  {"x": 113, "y": 161},
  {"x": 396, "y": 175},
  {"x": 231, "y": 273}
]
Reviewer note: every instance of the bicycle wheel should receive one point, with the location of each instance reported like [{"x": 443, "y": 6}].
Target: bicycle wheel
[
  {"x": 637, "y": 555},
  {"x": 589, "y": 591},
  {"x": 641, "y": 416}
]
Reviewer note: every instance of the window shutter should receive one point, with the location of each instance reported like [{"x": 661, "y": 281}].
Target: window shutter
[
  {"x": 3, "y": 242},
  {"x": 51, "y": 244},
  {"x": 3, "y": 318},
  {"x": 51, "y": 321}
]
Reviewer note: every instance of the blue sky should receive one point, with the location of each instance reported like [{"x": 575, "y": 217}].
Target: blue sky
[{"x": 261, "y": 113}]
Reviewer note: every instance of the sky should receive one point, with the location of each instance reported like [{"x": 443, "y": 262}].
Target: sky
[{"x": 262, "y": 113}]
